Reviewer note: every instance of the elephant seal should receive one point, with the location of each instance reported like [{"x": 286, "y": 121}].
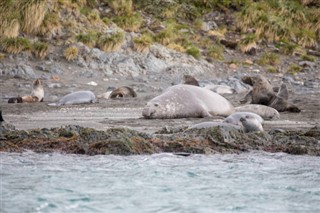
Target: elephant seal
[
  {"x": 235, "y": 117},
  {"x": 262, "y": 93},
  {"x": 209, "y": 124},
  {"x": 190, "y": 80},
  {"x": 186, "y": 101},
  {"x": 123, "y": 92},
  {"x": 37, "y": 94},
  {"x": 251, "y": 125},
  {"x": 80, "y": 97},
  {"x": 267, "y": 113}
]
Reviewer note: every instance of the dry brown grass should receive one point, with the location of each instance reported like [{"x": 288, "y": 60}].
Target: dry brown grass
[
  {"x": 71, "y": 53},
  {"x": 111, "y": 42},
  {"x": 40, "y": 49},
  {"x": 32, "y": 14}
]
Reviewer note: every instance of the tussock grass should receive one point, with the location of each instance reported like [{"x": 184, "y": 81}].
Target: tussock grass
[
  {"x": 269, "y": 58},
  {"x": 88, "y": 39},
  {"x": 15, "y": 45},
  {"x": 32, "y": 14},
  {"x": 71, "y": 53},
  {"x": 274, "y": 21},
  {"x": 143, "y": 42},
  {"x": 50, "y": 25},
  {"x": 40, "y": 49},
  {"x": 130, "y": 23},
  {"x": 111, "y": 42},
  {"x": 215, "y": 52}
]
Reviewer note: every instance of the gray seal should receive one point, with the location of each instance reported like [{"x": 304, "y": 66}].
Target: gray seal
[
  {"x": 235, "y": 117},
  {"x": 251, "y": 125},
  {"x": 210, "y": 124},
  {"x": 80, "y": 97},
  {"x": 187, "y": 101},
  {"x": 267, "y": 113}
]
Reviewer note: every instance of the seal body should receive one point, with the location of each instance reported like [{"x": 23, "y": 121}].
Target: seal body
[
  {"x": 123, "y": 92},
  {"x": 37, "y": 94},
  {"x": 80, "y": 97},
  {"x": 37, "y": 90},
  {"x": 209, "y": 124},
  {"x": 251, "y": 125},
  {"x": 185, "y": 101},
  {"x": 262, "y": 93},
  {"x": 235, "y": 117},
  {"x": 267, "y": 113}
]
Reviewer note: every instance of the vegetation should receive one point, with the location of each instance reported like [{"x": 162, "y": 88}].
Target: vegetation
[
  {"x": 40, "y": 49},
  {"x": 111, "y": 42},
  {"x": 269, "y": 58},
  {"x": 71, "y": 53},
  {"x": 292, "y": 26},
  {"x": 15, "y": 45}
]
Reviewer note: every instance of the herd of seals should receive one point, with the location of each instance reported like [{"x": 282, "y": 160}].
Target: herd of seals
[{"x": 189, "y": 100}]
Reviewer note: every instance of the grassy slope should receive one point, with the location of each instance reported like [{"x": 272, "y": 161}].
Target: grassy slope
[{"x": 292, "y": 25}]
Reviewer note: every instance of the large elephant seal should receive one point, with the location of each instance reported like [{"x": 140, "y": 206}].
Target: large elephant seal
[
  {"x": 123, "y": 92},
  {"x": 267, "y": 113},
  {"x": 262, "y": 93},
  {"x": 37, "y": 94},
  {"x": 80, "y": 97},
  {"x": 185, "y": 101}
]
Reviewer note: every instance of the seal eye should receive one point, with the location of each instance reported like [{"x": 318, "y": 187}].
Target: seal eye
[{"x": 156, "y": 105}]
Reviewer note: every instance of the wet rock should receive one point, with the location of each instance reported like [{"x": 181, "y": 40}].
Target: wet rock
[{"x": 123, "y": 141}]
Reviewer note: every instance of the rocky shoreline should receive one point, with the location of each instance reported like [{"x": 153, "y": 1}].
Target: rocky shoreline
[{"x": 73, "y": 139}]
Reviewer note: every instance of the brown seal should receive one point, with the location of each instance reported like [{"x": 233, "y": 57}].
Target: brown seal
[
  {"x": 123, "y": 92},
  {"x": 37, "y": 94},
  {"x": 263, "y": 93},
  {"x": 188, "y": 79}
]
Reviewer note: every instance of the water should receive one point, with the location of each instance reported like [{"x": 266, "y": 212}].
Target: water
[{"x": 250, "y": 182}]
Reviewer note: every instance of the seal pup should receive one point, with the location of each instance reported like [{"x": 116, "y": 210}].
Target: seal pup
[
  {"x": 267, "y": 113},
  {"x": 37, "y": 94},
  {"x": 262, "y": 93},
  {"x": 251, "y": 125},
  {"x": 37, "y": 90},
  {"x": 80, "y": 97},
  {"x": 190, "y": 80},
  {"x": 234, "y": 118},
  {"x": 123, "y": 92},
  {"x": 187, "y": 101},
  {"x": 210, "y": 124}
]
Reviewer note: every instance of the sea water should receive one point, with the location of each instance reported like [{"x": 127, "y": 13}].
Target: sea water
[{"x": 248, "y": 182}]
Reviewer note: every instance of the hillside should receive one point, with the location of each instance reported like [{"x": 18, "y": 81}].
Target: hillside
[{"x": 206, "y": 29}]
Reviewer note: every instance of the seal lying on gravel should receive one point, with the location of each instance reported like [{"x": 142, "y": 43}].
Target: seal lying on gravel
[
  {"x": 123, "y": 92},
  {"x": 186, "y": 101},
  {"x": 209, "y": 124},
  {"x": 263, "y": 93},
  {"x": 37, "y": 94},
  {"x": 235, "y": 117},
  {"x": 267, "y": 113},
  {"x": 80, "y": 97}
]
